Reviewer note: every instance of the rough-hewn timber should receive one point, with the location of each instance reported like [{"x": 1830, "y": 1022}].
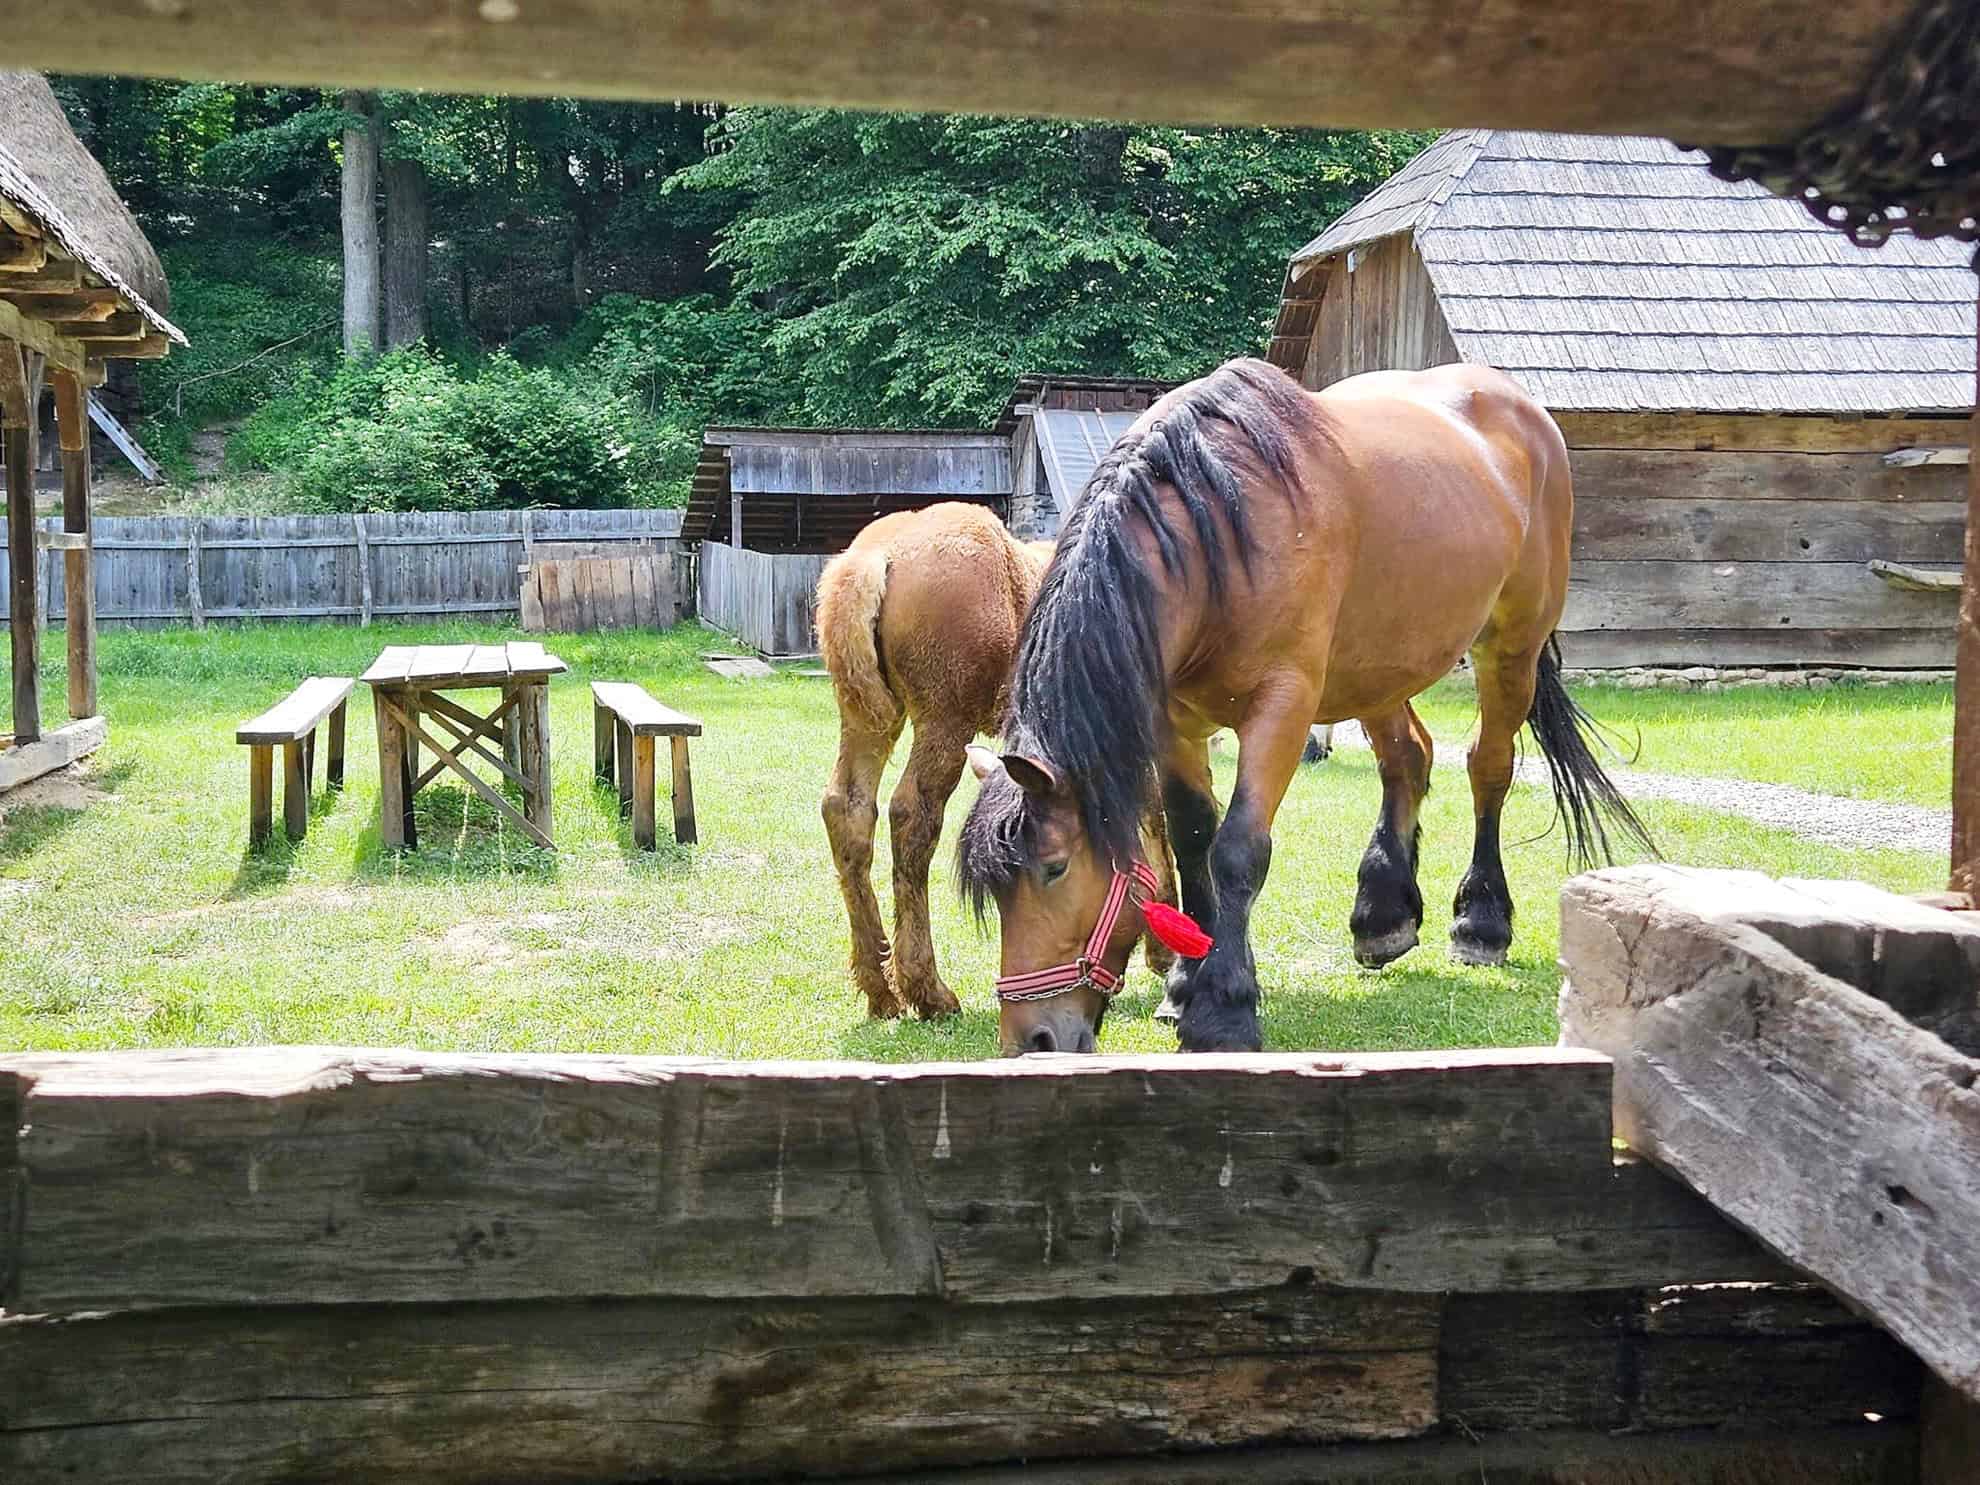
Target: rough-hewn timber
[
  {"x": 1772, "y": 1048},
  {"x": 346, "y": 1177},
  {"x": 1735, "y": 70}
]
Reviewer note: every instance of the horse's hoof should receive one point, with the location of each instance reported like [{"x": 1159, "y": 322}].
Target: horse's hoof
[
  {"x": 1373, "y": 953},
  {"x": 1168, "y": 1013},
  {"x": 933, "y": 1002},
  {"x": 1468, "y": 950}
]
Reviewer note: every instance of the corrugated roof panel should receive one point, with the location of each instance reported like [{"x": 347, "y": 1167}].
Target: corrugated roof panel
[{"x": 1071, "y": 444}]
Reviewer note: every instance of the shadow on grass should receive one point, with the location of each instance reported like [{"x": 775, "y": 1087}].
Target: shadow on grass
[
  {"x": 459, "y": 835},
  {"x": 27, "y": 828},
  {"x": 967, "y": 1037},
  {"x": 668, "y": 858}
]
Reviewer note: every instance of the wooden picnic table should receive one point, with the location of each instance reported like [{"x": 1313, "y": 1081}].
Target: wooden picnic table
[{"x": 408, "y": 685}]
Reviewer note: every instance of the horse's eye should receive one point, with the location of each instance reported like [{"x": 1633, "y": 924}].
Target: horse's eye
[{"x": 1053, "y": 871}]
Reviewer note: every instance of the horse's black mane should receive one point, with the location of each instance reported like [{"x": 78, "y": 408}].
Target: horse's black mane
[{"x": 1090, "y": 693}]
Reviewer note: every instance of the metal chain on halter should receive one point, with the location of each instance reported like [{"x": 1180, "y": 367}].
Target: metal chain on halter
[{"x": 1905, "y": 155}]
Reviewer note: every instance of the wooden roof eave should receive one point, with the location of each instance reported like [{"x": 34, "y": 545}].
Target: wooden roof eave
[{"x": 52, "y": 305}]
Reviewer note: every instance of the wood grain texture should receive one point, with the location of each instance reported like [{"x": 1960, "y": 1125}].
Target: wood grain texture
[
  {"x": 24, "y": 601},
  {"x": 1762, "y": 530},
  {"x": 1762, "y": 70},
  {"x": 1750, "y": 432},
  {"x": 58, "y": 749},
  {"x": 1746, "y": 595},
  {"x": 326, "y": 1176},
  {"x": 1868, "y": 1176},
  {"x": 1895, "y": 649},
  {"x": 1965, "y": 871}
]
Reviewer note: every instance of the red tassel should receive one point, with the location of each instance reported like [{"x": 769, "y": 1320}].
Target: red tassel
[{"x": 1177, "y": 930}]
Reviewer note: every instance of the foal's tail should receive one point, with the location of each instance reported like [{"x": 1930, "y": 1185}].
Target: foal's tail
[
  {"x": 1583, "y": 794},
  {"x": 850, "y": 592}
]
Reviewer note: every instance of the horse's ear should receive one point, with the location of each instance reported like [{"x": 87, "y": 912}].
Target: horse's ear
[
  {"x": 983, "y": 762},
  {"x": 1033, "y": 775}
]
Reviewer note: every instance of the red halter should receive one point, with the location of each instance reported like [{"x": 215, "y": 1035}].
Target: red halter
[{"x": 1087, "y": 972}]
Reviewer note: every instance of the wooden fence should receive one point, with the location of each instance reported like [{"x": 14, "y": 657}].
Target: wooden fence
[
  {"x": 413, "y": 564},
  {"x": 768, "y": 600},
  {"x": 311, "y": 1264}
]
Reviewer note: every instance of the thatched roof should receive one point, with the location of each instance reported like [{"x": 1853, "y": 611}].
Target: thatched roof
[
  {"x": 1618, "y": 273},
  {"x": 46, "y": 174}
]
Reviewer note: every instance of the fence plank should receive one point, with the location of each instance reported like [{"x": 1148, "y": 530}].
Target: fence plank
[{"x": 153, "y": 569}]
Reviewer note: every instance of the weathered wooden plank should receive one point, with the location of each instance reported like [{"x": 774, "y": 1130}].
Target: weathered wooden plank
[
  {"x": 1657, "y": 476},
  {"x": 295, "y": 714},
  {"x": 1748, "y": 1356},
  {"x": 1869, "y": 1175},
  {"x": 1609, "y": 528},
  {"x": 438, "y": 663},
  {"x": 1965, "y": 866},
  {"x": 1949, "y": 1437},
  {"x": 23, "y": 562},
  {"x": 52, "y": 750},
  {"x": 13, "y": 1189},
  {"x": 701, "y": 1391},
  {"x": 1911, "y": 579},
  {"x": 685, "y": 830},
  {"x": 645, "y": 716},
  {"x": 1745, "y": 595},
  {"x": 1747, "y": 433},
  {"x": 391, "y": 666},
  {"x": 38, "y": 336},
  {"x": 205, "y": 1178},
  {"x": 1883, "y": 648},
  {"x": 528, "y": 658},
  {"x": 79, "y": 564}
]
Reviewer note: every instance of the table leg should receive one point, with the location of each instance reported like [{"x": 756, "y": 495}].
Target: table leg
[
  {"x": 394, "y": 816},
  {"x": 536, "y": 759},
  {"x": 603, "y": 743}
]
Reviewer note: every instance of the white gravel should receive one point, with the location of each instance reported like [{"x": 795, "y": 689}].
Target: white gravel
[{"x": 1829, "y": 818}]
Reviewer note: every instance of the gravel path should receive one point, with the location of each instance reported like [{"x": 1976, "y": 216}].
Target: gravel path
[{"x": 1856, "y": 823}]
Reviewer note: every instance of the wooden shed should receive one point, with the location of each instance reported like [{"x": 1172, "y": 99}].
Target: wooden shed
[
  {"x": 771, "y": 505},
  {"x": 1059, "y": 426},
  {"x": 79, "y": 286},
  {"x": 1758, "y": 409}
]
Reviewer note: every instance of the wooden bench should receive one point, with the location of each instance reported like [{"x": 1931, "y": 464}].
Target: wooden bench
[
  {"x": 624, "y": 722},
  {"x": 292, "y": 723}
]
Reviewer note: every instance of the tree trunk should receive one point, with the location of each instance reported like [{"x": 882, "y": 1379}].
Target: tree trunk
[
  {"x": 405, "y": 252},
  {"x": 360, "y": 213}
]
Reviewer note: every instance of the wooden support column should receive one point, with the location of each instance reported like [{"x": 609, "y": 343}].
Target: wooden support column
[
  {"x": 1966, "y": 693},
  {"x": 642, "y": 813},
  {"x": 17, "y": 419},
  {"x": 78, "y": 562}
]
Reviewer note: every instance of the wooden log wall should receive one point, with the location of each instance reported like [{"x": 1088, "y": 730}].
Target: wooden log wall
[
  {"x": 768, "y": 600},
  {"x": 364, "y": 1266},
  {"x": 404, "y": 565},
  {"x": 1747, "y": 540}
]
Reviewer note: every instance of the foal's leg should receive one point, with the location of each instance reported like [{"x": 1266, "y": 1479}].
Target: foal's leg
[
  {"x": 1221, "y": 1014},
  {"x": 850, "y": 808},
  {"x": 934, "y": 766},
  {"x": 1190, "y": 809},
  {"x": 1388, "y": 908},
  {"x": 1481, "y": 926}
]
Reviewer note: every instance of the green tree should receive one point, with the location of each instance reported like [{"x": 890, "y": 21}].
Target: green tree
[{"x": 913, "y": 263}]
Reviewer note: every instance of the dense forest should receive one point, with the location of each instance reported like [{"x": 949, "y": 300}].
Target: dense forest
[{"x": 404, "y": 300}]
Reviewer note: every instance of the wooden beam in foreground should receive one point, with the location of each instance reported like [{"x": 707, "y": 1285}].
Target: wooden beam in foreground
[
  {"x": 1807, "y": 1057},
  {"x": 1725, "y": 71},
  {"x": 326, "y": 1176}
]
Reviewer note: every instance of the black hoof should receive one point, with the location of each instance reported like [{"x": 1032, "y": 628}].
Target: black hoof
[
  {"x": 1373, "y": 953},
  {"x": 1175, "y": 995},
  {"x": 1470, "y": 945},
  {"x": 1228, "y": 1031}
]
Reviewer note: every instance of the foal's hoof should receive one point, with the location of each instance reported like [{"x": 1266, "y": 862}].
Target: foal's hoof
[
  {"x": 1469, "y": 950},
  {"x": 1373, "y": 953}
]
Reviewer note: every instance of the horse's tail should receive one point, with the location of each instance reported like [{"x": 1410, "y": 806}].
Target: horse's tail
[
  {"x": 850, "y": 592},
  {"x": 1583, "y": 794}
]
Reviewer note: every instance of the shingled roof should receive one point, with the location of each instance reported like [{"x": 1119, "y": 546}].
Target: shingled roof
[{"x": 1610, "y": 274}]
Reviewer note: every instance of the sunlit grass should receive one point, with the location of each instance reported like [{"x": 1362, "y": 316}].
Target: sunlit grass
[{"x": 143, "y": 922}]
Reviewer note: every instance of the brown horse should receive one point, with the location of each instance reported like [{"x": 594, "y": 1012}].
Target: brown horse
[
  {"x": 1254, "y": 556},
  {"x": 918, "y": 621}
]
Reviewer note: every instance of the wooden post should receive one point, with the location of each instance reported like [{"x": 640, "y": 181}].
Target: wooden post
[
  {"x": 333, "y": 765},
  {"x": 1966, "y": 692},
  {"x": 536, "y": 761},
  {"x": 395, "y": 827},
  {"x": 602, "y": 742},
  {"x": 261, "y": 795},
  {"x": 364, "y": 571},
  {"x": 684, "y": 830},
  {"x": 78, "y": 563},
  {"x": 642, "y": 815},
  {"x": 17, "y": 418},
  {"x": 735, "y": 521},
  {"x": 193, "y": 598},
  {"x": 624, "y": 766},
  {"x": 295, "y": 791}
]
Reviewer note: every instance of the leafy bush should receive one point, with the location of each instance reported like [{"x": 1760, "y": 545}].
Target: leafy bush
[
  {"x": 262, "y": 318},
  {"x": 410, "y": 431}
]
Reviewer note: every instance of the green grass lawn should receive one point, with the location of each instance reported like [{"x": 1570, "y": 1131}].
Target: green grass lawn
[{"x": 141, "y": 921}]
